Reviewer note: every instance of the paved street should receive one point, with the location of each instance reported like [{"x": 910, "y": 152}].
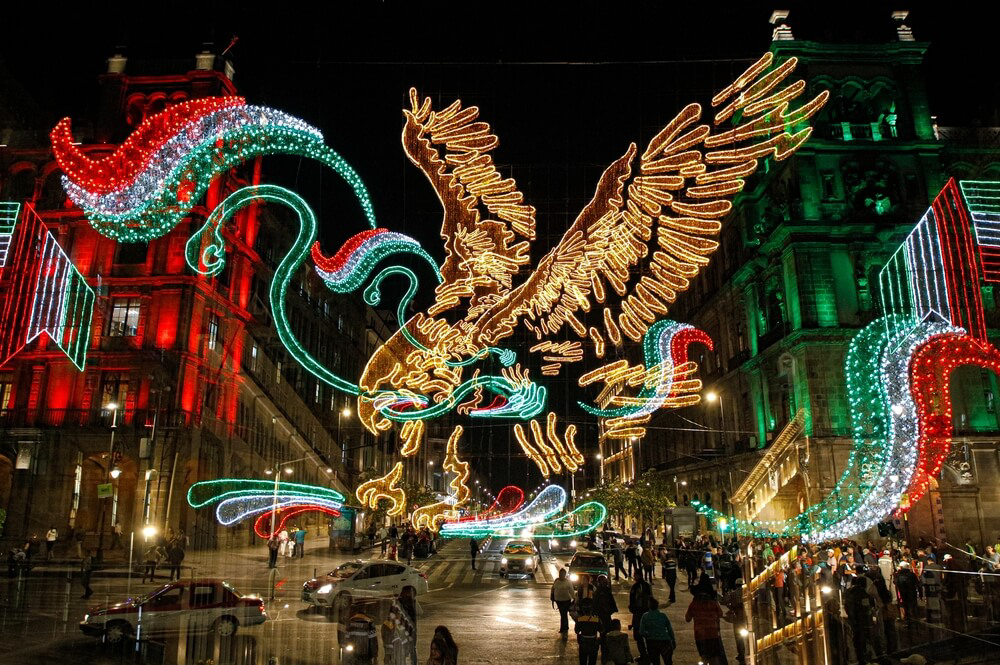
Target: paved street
[{"x": 493, "y": 620}]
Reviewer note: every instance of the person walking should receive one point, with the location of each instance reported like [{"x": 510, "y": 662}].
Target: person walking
[
  {"x": 860, "y": 615},
  {"x": 448, "y": 647},
  {"x": 604, "y": 602},
  {"x": 670, "y": 572},
  {"x": 587, "y": 629},
  {"x": 561, "y": 596},
  {"x": 906, "y": 586},
  {"x": 78, "y": 536},
  {"x": 383, "y": 536},
  {"x": 638, "y": 604},
  {"x": 648, "y": 561},
  {"x": 371, "y": 534},
  {"x": 86, "y": 570},
  {"x": 150, "y": 559},
  {"x": 273, "y": 545},
  {"x": 51, "y": 536},
  {"x": 704, "y": 610},
  {"x": 116, "y": 536},
  {"x": 473, "y": 551},
  {"x": 619, "y": 559},
  {"x": 175, "y": 555},
  {"x": 737, "y": 616},
  {"x": 300, "y": 542},
  {"x": 631, "y": 558},
  {"x": 408, "y": 614},
  {"x": 656, "y": 630}
]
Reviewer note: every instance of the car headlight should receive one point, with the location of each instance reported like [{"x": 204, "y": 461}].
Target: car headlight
[
  {"x": 552, "y": 543},
  {"x": 86, "y": 618},
  {"x": 573, "y": 577},
  {"x": 503, "y": 560},
  {"x": 572, "y": 543},
  {"x": 326, "y": 588}
]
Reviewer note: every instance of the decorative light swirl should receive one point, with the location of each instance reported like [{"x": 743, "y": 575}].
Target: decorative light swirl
[
  {"x": 659, "y": 351},
  {"x": 549, "y": 501}
]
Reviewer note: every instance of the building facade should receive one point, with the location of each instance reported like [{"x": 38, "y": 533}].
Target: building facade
[
  {"x": 795, "y": 278},
  {"x": 185, "y": 378}
]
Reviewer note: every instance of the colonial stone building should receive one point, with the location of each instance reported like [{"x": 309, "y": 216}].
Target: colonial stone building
[
  {"x": 795, "y": 278},
  {"x": 185, "y": 379}
]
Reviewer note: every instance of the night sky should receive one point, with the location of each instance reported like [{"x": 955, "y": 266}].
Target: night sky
[{"x": 565, "y": 91}]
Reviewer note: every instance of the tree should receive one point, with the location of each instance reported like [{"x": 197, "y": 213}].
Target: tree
[{"x": 645, "y": 500}]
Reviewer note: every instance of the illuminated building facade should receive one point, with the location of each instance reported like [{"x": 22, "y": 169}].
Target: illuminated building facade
[
  {"x": 796, "y": 278},
  {"x": 202, "y": 386}
]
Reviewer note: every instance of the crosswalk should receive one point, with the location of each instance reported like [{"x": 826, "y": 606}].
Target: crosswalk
[{"x": 444, "y": 571}]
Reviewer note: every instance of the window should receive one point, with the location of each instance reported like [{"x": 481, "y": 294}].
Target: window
[
  {"x": 114, "y": 389},
  {"x": 131, "y": 253},
  {"x": 317, "y": 394},
  {"x": 277, "y": 372},
  {"x": 213, "y": 331},
  {"x": 253, "y": 357},
  {"x": 124, "y": 317},
  {"x": 6, "y": 391},
  {"x": 203, "y": 594}
]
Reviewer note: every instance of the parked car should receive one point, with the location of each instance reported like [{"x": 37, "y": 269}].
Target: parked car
[
  {"x": 590, "y": 564},
  {"x": 178, "y": 607},
  {"x": 361, "y": 579},
  {"x": 520, "y": 558}
]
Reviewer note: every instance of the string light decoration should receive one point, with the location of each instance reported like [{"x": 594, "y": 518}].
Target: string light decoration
[
  {"x": 158, "y": 174},
  {"x": 549, "y": 501},
  {"x": 240, "y": 498},
  {"x": 387, "y": 487},
  {"x": 538, "y": 520},
  {"x": 433, "y": 514},
  {"x": 507, "y": 501},
  {"x": 262, "y": 526},
  {"x": 650, "y": 227},
  {"x": 46, "y": 294}
]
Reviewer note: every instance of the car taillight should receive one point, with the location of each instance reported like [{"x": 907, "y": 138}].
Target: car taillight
[
  {"x": 423, "y": 575},
  {"x": 262, "y": 607}
]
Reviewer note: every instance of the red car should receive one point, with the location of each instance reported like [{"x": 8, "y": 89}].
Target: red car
[{"x": 178, "y": 607}]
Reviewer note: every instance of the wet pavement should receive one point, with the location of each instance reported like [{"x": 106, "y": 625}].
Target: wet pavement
[{"x": 493, "y": 620}]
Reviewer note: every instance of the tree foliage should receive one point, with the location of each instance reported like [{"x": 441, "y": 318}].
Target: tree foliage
[{"x": 645, "y": 500}]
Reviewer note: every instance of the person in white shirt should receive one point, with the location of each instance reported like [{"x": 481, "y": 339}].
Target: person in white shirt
[
  {"x": 50, "y": 541},
  {"x": 562, "y": 597}
]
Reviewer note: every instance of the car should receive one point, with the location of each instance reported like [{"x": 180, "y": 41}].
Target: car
[
  {"x": 361, "y": 579},
  {"x": 562, "y": 545},
  {"x": 589, "y": 564},
  {"x": 179, "y": 607},
  {"x": 519, "y": 559}
]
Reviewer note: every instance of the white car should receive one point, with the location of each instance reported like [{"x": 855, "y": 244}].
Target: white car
[
  {"x": 362, "y": 579},
  {"x": 520, "y": 559},
  {"x": 179, "y": 607}
]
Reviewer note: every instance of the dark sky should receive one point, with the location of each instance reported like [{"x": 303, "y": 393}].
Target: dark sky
[{"x": 566, "y": 89}]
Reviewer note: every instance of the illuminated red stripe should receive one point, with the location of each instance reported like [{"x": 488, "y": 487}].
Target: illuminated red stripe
[
  {"x": 284, "y": 514},
  {"x": 121, "y": 167},
  {"x": 508, "y": 501},
  {"x": 337, "y": 261}
]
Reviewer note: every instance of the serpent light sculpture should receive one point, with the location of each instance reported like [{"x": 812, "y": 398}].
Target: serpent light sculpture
[
  {"x": 932, "y": 322},
  {"x": 237, "y": 499}
]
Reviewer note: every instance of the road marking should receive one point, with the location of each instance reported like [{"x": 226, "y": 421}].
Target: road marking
[{"x": 472, "y": 595}]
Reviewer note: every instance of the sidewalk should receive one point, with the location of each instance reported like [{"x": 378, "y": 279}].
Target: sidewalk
[{"x": 236, "y": 562}]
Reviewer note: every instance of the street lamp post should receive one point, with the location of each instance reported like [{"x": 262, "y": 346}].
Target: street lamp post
[
  {"x": 278, "y": 468},
  {"x": 600, "y": 466},
  {"x": 712, "y": 396},
  {"x": 111, "y": 464}
]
